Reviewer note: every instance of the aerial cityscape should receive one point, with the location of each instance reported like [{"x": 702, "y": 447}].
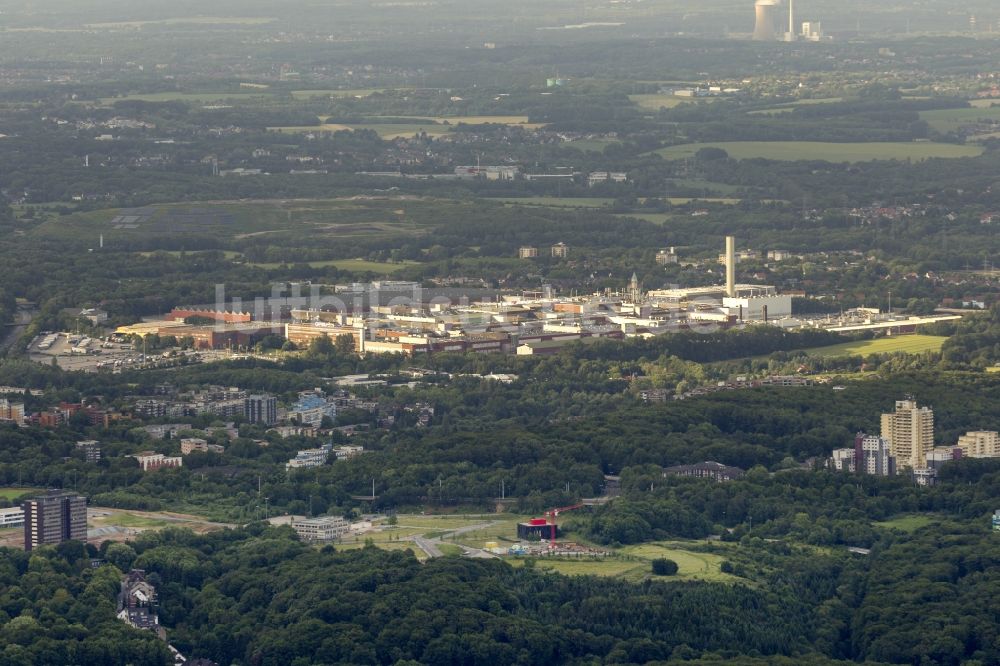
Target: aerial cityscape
[{"x": 539, "y": 332}]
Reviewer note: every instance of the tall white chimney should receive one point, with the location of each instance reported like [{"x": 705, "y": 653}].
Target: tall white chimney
[{"x": 731, "y": 266}]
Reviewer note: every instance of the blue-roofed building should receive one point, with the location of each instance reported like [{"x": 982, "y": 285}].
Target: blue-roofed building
[{"x": 310, "y": 410}]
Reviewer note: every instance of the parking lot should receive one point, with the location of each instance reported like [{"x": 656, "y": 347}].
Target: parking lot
[{"x": 76, "y": 352}]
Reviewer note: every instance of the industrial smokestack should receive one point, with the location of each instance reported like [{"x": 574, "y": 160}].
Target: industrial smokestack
[
  {"x": 731, "y": 266},
  {"x": 790, "y": 37},
  {"x": 764, "y": 30}
]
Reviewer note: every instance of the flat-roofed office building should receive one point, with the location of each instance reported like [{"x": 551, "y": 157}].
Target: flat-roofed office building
[{"x": 54, "y": 517}]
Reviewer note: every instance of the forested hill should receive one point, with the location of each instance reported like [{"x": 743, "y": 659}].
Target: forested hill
[{"x": 918, "y": 598}]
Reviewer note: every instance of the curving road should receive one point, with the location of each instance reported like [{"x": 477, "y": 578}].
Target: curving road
[
  {"x": 430, "y": 546},
  {"x": 14, "y": 331}
]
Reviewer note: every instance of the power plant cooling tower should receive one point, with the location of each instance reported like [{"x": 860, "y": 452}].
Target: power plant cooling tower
[{"x": 767, "y": 12}]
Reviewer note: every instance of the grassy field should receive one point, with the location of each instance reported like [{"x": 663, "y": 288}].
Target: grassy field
[
  {"x": 657, "y": 102},
  {"x": 558, "y": 202},
  {"x": 229, "y": 254},
  {"x": 439, "y": 522},
  {"x": 436, "y": 126},
  {"x": 950, "y": 120},
  {"x": 355, "y": 265},
  {"x": 307, "y": 94},
  {"x": 297, "y": 219},
  {"x": 385, "y": 131},
  {"x": 194, "y": 98},
  {"x": 901, "y": 344},
  {"x": 907, "y": 524},
  {"x": 591, "y": 145},
  {"x": 194, "y": 20},
  {"x": 634, "y": 562},
  {"x": 124, "y": 519},
  {"x": 14, "y": 493},
  {"x": 830, "y": 152},
  {"x": 655, "y": 218}
]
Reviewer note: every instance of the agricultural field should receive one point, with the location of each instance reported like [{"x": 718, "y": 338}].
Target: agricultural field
[
  {"x": 952, "y": 120},
  {"x": 902, "y": 344},
  {"x": 829, "y": 152}
]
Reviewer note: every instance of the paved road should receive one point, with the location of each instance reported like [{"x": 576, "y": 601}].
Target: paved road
[
  {"x": 428, "y": 546},
  {"x": 14, "y": 332}
]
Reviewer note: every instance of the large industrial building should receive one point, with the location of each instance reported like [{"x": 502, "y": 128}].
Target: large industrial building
[{"x": 53, "y": 518}]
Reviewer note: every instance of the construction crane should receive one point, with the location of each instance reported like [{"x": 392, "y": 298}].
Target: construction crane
[{"x": 551, "y": 515}]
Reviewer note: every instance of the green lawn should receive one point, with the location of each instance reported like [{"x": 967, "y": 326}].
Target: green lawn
[
  {"x": 900, "y": 344},
  {"x": 950, "y": 120},
  {"x": 14, "y": 493},
  {"x": 830, "y": 152},
  {"x": 910, "y": 523}
]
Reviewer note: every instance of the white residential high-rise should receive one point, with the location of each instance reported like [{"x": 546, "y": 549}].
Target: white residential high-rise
[
  {"x": 910, "y": 433},
  {"x": 875, "y": 457}
]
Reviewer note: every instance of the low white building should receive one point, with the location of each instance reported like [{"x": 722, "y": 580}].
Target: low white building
[
  {"x": 324, "y": 528},
  {"x": 310, "y": 458},
  {"x": 11, "y": 517}
]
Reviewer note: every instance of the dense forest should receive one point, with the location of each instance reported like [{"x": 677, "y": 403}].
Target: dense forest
[{"x": 285, "y": 603}]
